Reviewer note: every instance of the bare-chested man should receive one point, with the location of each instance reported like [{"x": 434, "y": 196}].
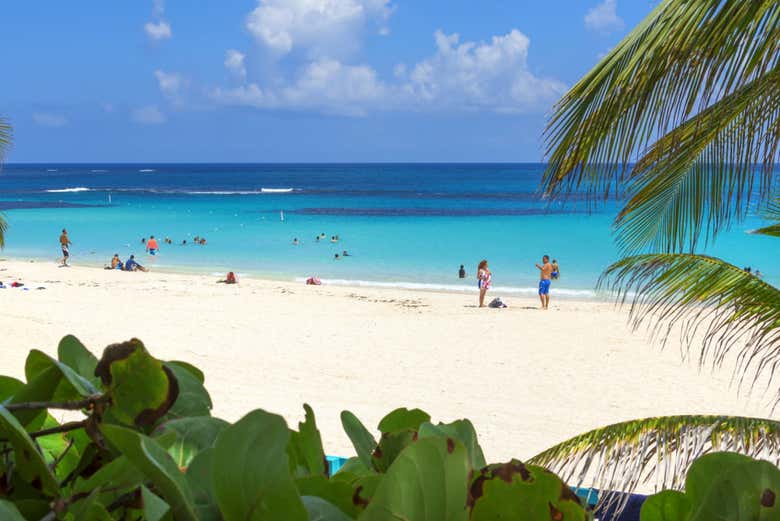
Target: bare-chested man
[{"x": 545, "y": 276}]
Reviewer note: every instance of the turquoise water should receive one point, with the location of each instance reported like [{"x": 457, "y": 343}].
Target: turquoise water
[{"x": 403, "y": 225}]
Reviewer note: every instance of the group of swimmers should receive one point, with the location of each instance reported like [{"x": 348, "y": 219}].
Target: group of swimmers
[
  {"x": 333, "y": 239},
  {"x": 151, "y": 244},
  {"x": 548, "y": 271}
]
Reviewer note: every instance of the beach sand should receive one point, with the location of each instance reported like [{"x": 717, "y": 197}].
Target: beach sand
[{"x": 526, "y": 378}]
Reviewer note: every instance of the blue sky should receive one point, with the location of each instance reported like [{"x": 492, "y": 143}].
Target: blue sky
[{"x": 295, "y": 80}]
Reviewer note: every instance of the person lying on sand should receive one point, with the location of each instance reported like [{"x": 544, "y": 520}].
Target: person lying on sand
[
  {"x": 132, "y": 265},
  {"x": 229, "y": 279}
]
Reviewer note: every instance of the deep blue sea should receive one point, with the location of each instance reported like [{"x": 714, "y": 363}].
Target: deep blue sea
[{"x": 409, "y": 225}]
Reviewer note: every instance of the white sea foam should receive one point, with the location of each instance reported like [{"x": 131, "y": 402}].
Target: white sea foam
[
  {"x": 68, "y": 190},
  {"x": 276, "y": 190},
  {"x": 51, "y": 170},
  {"x": 472, "y": 288},
  {"x": 96, "y": 171},
  {"x": 147, "y": 170}
]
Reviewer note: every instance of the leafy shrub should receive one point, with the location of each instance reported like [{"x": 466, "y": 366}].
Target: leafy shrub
[{"x": 146, "y": 448}]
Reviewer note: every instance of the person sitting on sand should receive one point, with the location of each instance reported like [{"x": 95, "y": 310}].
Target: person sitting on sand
[
  {"x": 313, "y": 281},
  {"x": 545, "y": 276},
  {"x": 116, "y": 263},
  {"x": 484, "y": 281},
  {"x": 229, "y": 279},
  {"x": 151, "y": 246},
  {"x": 132, "y": 265},
  {"x": 556, "y": 271},
  {"x": 462, "y": 272}
]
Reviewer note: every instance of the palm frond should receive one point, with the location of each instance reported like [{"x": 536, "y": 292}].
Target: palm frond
[
  {"x": 680, "y": 59},
  {"x": 770, "y": 212},
  {"x": 707, "y": 300},
  {"x": 701, "y": 176},
  {"x": 3, "y": 229},
  {"x": 655, "y": 451},
  {"x": 5, "y": 137}
]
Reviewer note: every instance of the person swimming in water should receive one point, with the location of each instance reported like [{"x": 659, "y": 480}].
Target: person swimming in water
[
  {"x": 295, "y": 241},
  {"x": 345, "y": 254},
  {"x": 556, "y": 271},
  {"x": 462, "y": 272},
  {"x": 337, "y": 257}
]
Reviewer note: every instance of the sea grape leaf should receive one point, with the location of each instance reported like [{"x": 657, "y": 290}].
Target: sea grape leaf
[
  {"x": 142, "y": 389},
  {"x": 194, "y": 371},
  {"x": 199, "y": 477},
  {"x": 251, "y": 473},
  {"x": 73, "y": 385},
  {"x": 428, "y": 481},
  {"x": 726, "y": 485},
  {"x": 321, "y": 510},
  {"x": 156, "y": 465},
  {"x": 399, "y": 429},
  {"x": 190, "y": 436},
  {"x": 361, "y": 438},
  {"x": 55, "y": 445},
  {"x": 8, "y": 512},
  {"x": 305, "y": 451},
  {"x": 89, "y": 509},
  {"x": 118, "y": 476},
  {"x": 72, "y": 353},
  {"x": 31, "y": 508},
  {"x": 338, "y": 493},
  {"x": 462, "y": 430},
  {"x": 154, "y": 507},
  {"x": 8, "y": 387},
  {"x": 521, "y": 492},
  {"x": 353, "y": 466},
  {"x": 193, "y": 399},
  {"x": 668, "y": 505},
  {"x": 42, "y": 388},
  {"x": 30, "y": 464},
  {"x": 403, "y": 419}
]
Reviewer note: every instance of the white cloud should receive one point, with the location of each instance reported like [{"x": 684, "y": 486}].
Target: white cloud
[
  {"x": 604, "y": 18},
  {"x": 459, "y": 76},
  {"x": 170, "y": 83},
  {"x": 148, "y": 115},
  {"x": 234, "y": 62},
  {"x": 322, "y": 28},
  {"x": 486, "y": 76},
  {"x": 50, "y": 119},
  {"x": 158, "y": 30}
]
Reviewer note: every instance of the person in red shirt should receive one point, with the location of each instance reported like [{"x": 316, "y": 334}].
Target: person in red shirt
[{"x": 151, "y": 246}]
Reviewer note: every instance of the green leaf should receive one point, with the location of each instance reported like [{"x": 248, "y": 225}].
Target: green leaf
[
  {"x": 362, "y": 440},
  {"x": 337, "y": 492},
  {"x": 30, "y": 464},
  {"x": 427, "y": 482},
  {"x": 320, "y": 510},
  {"x": 193, "y": 399},
  {"x": 8, "y": 512},
  {"x": 118, "y": 475},
  {"x": 154, "y": 507},
  {"x": 142, "y": 389},
  {"x": 9, "y": 386},
  {"x": 199, "y": 477},
  {"x": 73, "y": 386},
  {"x": 403, "y": 419},
  {"x": 194, "y": 371},
  {"x": 305, "y": 448},
  {"x": 157, "y": 465},
  {"x": 54, "y": 445},
  {"x": 461, "y": 430},
  {"x": 72, "y": 353},
  {"x": 523, "y": 493},
  {"x": 354, "y": 466},
  {"x": 669, "y": 505},
  {"x": 251, "y": 471},
  {"x": 191, "y": 436},
  {"x": 90, "y": 509}
]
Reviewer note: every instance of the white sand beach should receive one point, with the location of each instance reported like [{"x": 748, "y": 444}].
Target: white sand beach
[{"x": 526, "y": 378}]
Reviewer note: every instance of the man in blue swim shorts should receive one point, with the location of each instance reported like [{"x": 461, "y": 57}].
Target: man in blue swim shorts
[{"x": 545, "y": 276}]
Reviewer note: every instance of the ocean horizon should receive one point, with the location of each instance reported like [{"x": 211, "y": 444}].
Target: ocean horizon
[{"x": 408, "y": 225}]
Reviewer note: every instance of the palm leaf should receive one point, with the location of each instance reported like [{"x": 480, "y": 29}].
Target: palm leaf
[
  {"x": 700, "y": 176},
  {"x": 704, "y": 299},
  {"x": 655, "y": 451},
  {"x": 679, "y": 61},
  {"x": 5, "y": 137},
  {"x": 771, "y": 212}
]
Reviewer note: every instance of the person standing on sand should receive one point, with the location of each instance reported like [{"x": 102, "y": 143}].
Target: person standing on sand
[
  {"x": 545, "y": 277},
  {"x": 65, "y": 245},
  {"x": 484, "y": 281}
]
